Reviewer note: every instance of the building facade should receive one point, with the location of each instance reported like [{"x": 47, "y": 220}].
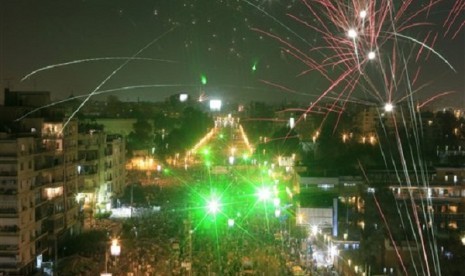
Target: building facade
[
  {"x": 39, "y": 185},
  {"x": 102, "y": 170}
]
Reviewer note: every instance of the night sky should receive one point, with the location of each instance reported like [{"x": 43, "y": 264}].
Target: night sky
[{"x": 182, "y": 40}]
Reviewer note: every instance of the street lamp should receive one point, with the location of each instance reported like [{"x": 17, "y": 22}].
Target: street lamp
[
  {"x": 314, "y": 230},
  {"x": 115, "y": 250}
]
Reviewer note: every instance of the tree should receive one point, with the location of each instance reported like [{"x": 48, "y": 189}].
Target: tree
[
  {"x": 284, "y": 141},
  {"x": 193, "y": 125},
  {"x": 256, "y": 126},
  {"x": 114, "y": 106},
  {"x": 142, "y": 135}
]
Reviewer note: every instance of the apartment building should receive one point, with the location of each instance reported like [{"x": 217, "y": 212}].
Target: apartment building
[
  {"x": 42, "y": 177},
  {"x": 445, "y": 194},
  {"x": 101, "y": 168},
  {"x": 38, "y": 188}
]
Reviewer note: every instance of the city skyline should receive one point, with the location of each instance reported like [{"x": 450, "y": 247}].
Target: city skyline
[{"x": 229, "y": 43}]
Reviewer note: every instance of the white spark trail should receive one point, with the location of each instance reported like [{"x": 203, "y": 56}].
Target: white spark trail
[
  {"x": 427, "y": 47},
  {"x": 52, "y": 66},
  {"x": 277, "y": 21},
  {"x": 111, "y": 75},
  {"x": 124, "y": 88}
]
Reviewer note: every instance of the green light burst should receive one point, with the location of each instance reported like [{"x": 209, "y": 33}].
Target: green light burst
[{"x": 203, "y": 79}]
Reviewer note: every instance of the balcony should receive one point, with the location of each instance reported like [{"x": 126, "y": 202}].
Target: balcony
[
  {"x": 56, "y": 225},
  {"x": 55, "y": 183},
  {"x": 89, "y": 172},
  {"x": 89, "y": 188},
  {"x": 47, "y": 133},
  {"x": 9, "y": 173},
  {"x": 41, "y": 243},
  {"x": 9, "y": 230},
  {"x": 9, "y": 264},
  {"x": 39, "y": 201},
  {"x": 10, "y": 191},
  {"x": 9, "y": 248},
  {"x": 88, "y": 146},
  {"x": 40, "y": 215},
  {"x": 8, "y": 212}
]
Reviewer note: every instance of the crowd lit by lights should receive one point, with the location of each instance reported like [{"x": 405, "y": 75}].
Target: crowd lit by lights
[
  {"x": 204, "y": 140},
  {"x": 143, "y": 164},
  {"x": 245, "y": 139}
]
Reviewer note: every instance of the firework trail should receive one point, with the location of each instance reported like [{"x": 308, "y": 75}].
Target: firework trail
[
  {"x": 112, "y": 74},
  {"x": 53, "y": 66},
  {"x": 357, "y": 35},
  {"x": 119, "y": 89}
]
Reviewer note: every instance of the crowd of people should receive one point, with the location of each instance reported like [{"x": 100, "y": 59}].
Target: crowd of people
[{"x": 183, "y": 238}]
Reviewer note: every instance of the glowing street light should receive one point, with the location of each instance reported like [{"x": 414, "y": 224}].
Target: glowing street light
[
  {"x": 115, "y": 248},
  {"x": 231, "y": 160},
  {"x": 300, "y": 219},
  {"x": 314, "y": 230}
]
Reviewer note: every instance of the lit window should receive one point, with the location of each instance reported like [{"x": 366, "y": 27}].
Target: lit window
[
  {"x": 51, "y": 193},
  {"x": 453, "y": 209},
  {"x": 452, "y": 225}
]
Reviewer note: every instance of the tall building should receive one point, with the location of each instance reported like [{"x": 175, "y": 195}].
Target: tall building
[
  {"x": 445, "y": 195},
  {"x": 43, "y": 172},
  {"x": 102, "y": 169},
  {"x": 38, "y": 179}
]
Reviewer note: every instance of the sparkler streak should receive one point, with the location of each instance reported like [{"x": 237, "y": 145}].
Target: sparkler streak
[
  {"x": 390, "y": 235},
  {"x": 421, "y": 105},
  {"x": 277, "y": 21},
  {"x": 53, "y": 66},
  {"x": 283, "y": 87},
  {"x": 412, "y": 198},
  {"x": 458, "y": 9},
  {"x": 429, "y": 48},
  {"x": 125, "y": 88},
  {"x": 111, "y": 75}
]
